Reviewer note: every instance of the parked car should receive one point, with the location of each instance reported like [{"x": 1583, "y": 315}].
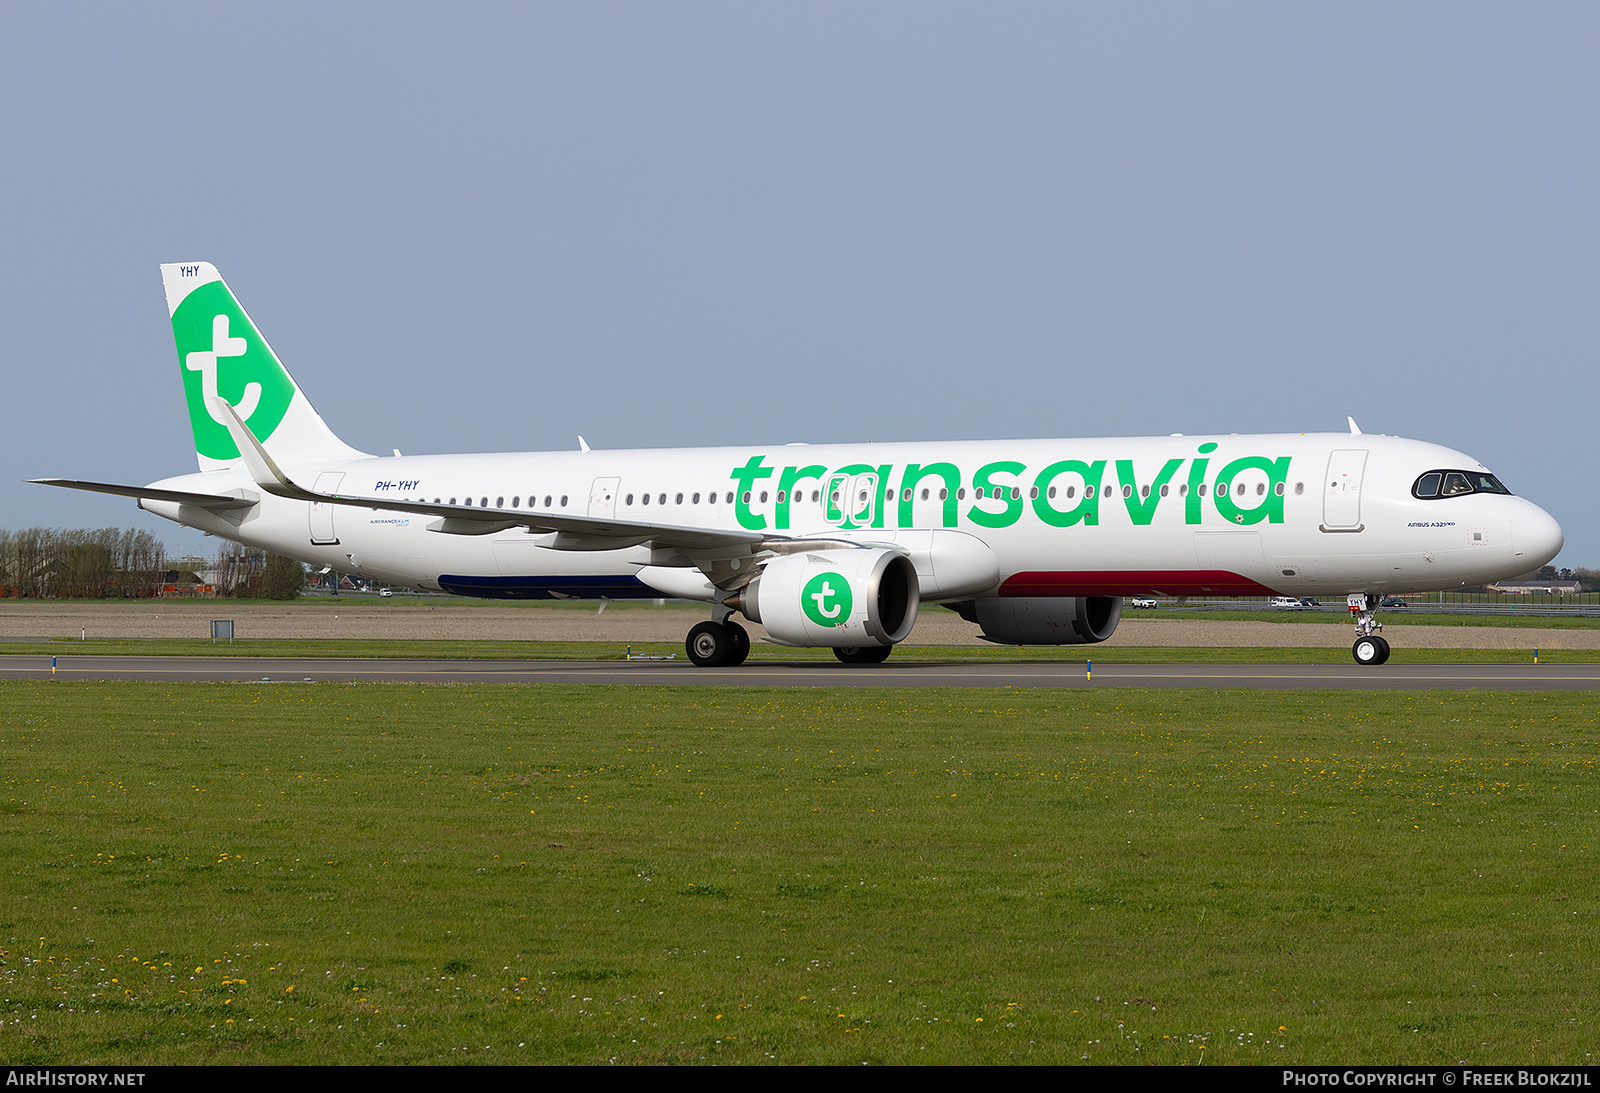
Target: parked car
[
  {"x": 1394, "y": 601},
  {"x": 1285, "y": 603},
  {"x": 1142, "y": 601},
  {"x": 1310, "y": 601}
]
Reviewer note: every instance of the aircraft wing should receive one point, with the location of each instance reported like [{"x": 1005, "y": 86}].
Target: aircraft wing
[
  {"x": 238, "y": 500},
  {"x": 573, "y": 532}
]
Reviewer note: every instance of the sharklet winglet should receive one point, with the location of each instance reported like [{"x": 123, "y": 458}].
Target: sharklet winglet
[{"x": 263, "y": 470}]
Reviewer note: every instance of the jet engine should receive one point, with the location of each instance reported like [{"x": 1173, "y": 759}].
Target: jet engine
[
  {"x": 838, "y": 598},
  {"x": 1043, "y": 620}
]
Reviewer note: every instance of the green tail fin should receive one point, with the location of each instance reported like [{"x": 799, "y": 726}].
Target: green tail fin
[{"x": 222, "y": 354}]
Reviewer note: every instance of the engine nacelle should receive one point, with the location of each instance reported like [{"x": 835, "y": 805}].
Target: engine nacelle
[
  {"x": 1044, "y": 620},
  {"x": 835, "y": 598}
]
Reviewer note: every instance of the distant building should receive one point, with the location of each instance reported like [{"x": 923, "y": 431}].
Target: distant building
[{"x": 1528, "y": 588}]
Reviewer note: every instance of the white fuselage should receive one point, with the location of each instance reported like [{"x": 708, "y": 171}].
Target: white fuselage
[{"x": 1300, "y": 514}]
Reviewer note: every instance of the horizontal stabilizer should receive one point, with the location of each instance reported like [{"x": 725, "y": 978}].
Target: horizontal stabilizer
[{"x": 239, "y": 499}]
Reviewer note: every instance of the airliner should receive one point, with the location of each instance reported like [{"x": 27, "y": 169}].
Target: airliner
[{"x": 836, "y": 546}]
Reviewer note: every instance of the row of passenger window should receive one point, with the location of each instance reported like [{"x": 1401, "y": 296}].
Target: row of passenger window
[
  {"x": 1436, "y": 484},
  {"x": 500, "y": 502},
  {"x": 993, "y": 492}
]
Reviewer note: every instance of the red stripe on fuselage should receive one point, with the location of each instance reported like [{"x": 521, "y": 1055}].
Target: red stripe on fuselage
[{"x": 1133, "y": 582}]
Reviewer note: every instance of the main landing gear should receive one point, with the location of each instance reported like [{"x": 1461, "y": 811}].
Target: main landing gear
[
  {"x": 718, "y": 645},
  {"x": 863, "y": 654},
  {"x": 726, "y": 644},
  {"x": 1369, "y": 648}
]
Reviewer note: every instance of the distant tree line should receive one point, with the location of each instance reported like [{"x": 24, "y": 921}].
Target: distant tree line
[
  {"x": 105, "y": 563},
  {"x": 1588, "y": 578},
  {"x": 246, "y": 573},
  {"x": 111, "y": 563}
]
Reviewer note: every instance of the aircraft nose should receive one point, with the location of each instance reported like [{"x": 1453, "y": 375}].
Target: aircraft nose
[{"x": 1535, "y": 536}]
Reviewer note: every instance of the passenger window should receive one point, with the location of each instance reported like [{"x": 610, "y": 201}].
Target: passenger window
[
  {"x": 678, "y": 500},
  {"x": 499, "y": 502},
  {"x": 924, "y": 493},
  {"x": 645, "y": 500},
  {"x": 516, "y": 502},
  {"x": 629, "y": 499},
  {"x": 563, "y": 500}
]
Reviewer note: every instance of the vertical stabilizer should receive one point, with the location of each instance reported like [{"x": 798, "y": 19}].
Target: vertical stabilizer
[{"x": 221, "y": 354}]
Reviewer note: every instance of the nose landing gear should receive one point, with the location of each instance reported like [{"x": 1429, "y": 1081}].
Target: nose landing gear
[{"x": 1369, "y": 648}]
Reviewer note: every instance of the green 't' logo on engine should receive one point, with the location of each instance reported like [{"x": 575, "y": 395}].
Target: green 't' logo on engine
[
  {"x": 223, "y": 356},
  {"x": 826, "y": 599}
]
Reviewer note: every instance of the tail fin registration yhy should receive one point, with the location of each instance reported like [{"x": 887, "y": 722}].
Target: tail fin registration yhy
[{"x": 223, "y": 355}]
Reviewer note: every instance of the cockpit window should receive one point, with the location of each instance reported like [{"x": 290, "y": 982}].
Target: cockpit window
[{"x": 1435, "y": 484}]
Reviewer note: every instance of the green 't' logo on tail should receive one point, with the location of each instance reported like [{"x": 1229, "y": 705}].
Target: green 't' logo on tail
[{"x": 223, "y": 355}]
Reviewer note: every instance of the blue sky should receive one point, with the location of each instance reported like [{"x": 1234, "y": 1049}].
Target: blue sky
[{"x": 494, "y": 227}]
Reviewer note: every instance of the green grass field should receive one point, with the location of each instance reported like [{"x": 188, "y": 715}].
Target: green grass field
[{"x": 393, "y": 874}]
